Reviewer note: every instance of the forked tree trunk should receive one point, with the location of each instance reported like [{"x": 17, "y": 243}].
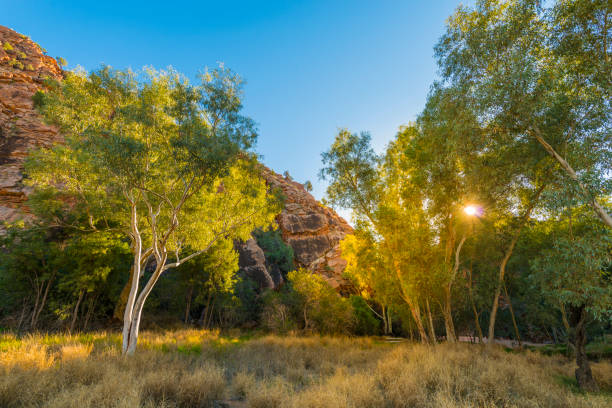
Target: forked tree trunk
[{"x": 584, "y": 376}]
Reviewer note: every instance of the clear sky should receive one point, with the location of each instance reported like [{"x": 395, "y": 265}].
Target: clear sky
[{"x": 311, "y": 66}]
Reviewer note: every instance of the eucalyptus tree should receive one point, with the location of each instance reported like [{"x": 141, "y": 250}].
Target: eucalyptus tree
[
  {"x": 358, "y": 181},
  {"x": 164, "y": 162},
  {"x": 539, "y": 75},
  {"x": 523, "y": 71},
  {"x": 574, "y": 272}
]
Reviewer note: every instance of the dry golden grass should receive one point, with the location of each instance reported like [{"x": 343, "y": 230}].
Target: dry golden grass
[{"x": 191, "y": 368}]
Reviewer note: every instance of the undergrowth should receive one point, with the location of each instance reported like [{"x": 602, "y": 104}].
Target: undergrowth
[{"x": 192, "y": 368}]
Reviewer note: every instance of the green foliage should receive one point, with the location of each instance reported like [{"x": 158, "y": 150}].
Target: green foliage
[
  {"x": 16, "y": 64},
  {"x": 43, "y": 272},
  {"x": 61, "y": 61},
  {"x": 277, "y": 253},
  {"x": 7, "y": 46},
  {"x": 323, "y": 310},
  {"x": 574, "y": 268},
  {"x": 366, "y": 323}
]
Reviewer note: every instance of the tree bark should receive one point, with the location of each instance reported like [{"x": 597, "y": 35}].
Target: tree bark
[
  {"x": 389, "y": 321},
  {"x": 415, "y": 310},
  {"x": 448, "y": 315},
  {"x": 584, "y": 376},
  {"x": 432, "y": 331}
]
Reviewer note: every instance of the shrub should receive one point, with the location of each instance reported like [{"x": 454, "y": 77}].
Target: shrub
[
  {"x": 323, "y": 310},
  {"x": 365, "y": 321},
  {"x": 7, "y": 46},
  {"x": 16, "y": 64},
  {"x": 277, "y": 314}
]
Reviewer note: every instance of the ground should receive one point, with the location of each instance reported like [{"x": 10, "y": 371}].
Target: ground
[{"x": 193, "y": 368}]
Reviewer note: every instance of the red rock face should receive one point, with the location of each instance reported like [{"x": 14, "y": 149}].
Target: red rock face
[
  {"x": 312, "y": 230},
  {"x": 23, "y": 68}
]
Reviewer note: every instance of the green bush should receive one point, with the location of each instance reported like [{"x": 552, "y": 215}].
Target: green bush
[
  {"x": 7, "y": 46},
  {"x": 16, "y": 64},
  {"x": 276, "y": 251},
  {"x": 279, "y": 311},
  {"x": 366, "y": 324},
  {"x": 323, "y": 309}
]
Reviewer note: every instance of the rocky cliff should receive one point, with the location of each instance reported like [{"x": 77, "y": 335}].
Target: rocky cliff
[
  {"x": 23, "y": 68},
  {"x": 312, "y": 230}
]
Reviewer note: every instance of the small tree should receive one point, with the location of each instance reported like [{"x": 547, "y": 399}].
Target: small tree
[
  {"x": 308, "y": 186},
  {"x": 158, "y": 159},
  {"x": 574, "y": 272}
]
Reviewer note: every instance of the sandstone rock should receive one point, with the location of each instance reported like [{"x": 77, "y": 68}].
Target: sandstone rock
[
  {"x": 252, "y": 261},
  {"x": 312, "y": 230},
  {"x": 22, "y": 72}
]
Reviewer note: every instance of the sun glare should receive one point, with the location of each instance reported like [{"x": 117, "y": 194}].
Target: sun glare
[{"x": 471, "y": 210}]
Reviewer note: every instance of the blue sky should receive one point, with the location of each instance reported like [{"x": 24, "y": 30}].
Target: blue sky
[{"x": 311, "y": 66}]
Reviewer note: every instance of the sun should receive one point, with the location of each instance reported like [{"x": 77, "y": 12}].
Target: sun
[{"x": 471, "y": 210}]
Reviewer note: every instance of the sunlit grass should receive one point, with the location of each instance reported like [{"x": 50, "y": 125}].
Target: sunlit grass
[{"x": 186, "y": 368}]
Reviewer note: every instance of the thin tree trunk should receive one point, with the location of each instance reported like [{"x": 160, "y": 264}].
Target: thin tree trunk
[
  {"x": 36, "y": 301},
  {"x": 204, "y": 315},
  {"x": 584, "y": 376},
  {"x": 188, "y": 306},
  {"x": 599, "y": 210},
  {"x": 210, "y": 315},
  {"x": 475, "y": 310},
  {"x": 432, "y": 332},
  {"x": 75, "y": 313},
  {"x": 22, "y": 316},
  {"x": 43, "y": 301},
  {"x": 128, "y": 315},
  {"x": 389, "y": 321},
  {"x": 90, "y": 309},
  {"x": 447, "y": 310},
  {"x": 504, "y": 262},
  {"x": 516, "y": 330}
]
